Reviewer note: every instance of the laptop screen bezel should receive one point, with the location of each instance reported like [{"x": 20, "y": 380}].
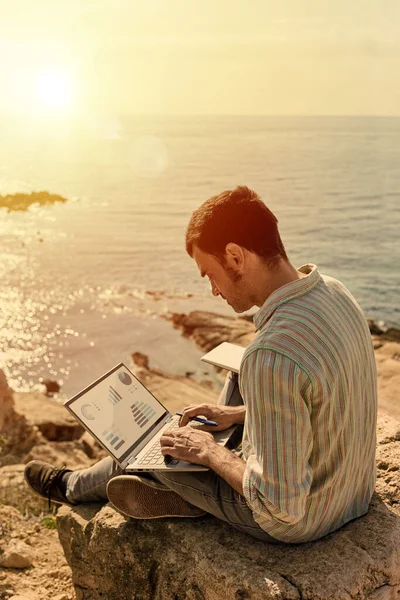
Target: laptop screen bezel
[{"x": 139, "y": 441}]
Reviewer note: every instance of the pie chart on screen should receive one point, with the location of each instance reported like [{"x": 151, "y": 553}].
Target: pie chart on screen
[
  {"x": 124, "y": 377},
  {"x": 86, "y": 412}
]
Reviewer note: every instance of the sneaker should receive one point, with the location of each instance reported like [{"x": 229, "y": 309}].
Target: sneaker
[
  {"x": 45, "y": 480},
  {"x": 143, "y": 498}
]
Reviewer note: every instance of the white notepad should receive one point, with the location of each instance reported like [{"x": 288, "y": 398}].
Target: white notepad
[{"x": 226, "y": 355}]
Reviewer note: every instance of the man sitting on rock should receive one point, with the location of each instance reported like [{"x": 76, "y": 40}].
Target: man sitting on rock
[{"x": 306, "y": 396}]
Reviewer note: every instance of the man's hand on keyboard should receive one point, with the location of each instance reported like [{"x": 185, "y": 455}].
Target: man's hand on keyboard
[{"x": 188, "y": 443}]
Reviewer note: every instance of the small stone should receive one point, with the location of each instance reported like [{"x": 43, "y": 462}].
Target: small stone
[
  {"x": 374, "y": 327},
  {"x": 51, "y": 386},
  {"x": 61, "y": 597},
  {"x": 37, "y": 527},
  {"x": 17, "y": 555}
]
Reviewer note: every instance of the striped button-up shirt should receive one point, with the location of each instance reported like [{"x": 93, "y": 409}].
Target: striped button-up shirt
[{"x": 308, "y": 381}]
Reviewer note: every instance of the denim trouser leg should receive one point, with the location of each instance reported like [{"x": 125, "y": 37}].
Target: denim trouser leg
[
  {"x": 204, "y": 489},
  {"x": 89, "y": 485}
]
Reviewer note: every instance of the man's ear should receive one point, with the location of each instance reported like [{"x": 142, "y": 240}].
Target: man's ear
[{"x": 234, "y": 256}]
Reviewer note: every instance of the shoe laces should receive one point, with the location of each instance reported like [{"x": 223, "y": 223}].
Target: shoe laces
[{"x": 53, "y": 481}]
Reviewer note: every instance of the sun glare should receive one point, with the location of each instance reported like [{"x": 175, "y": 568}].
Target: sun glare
[{"x": 55, "y": 91}]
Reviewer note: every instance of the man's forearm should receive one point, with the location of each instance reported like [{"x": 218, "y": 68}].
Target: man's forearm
[
  {"x": 239, "y": 412},
  {"x": 228, "y": 466}
]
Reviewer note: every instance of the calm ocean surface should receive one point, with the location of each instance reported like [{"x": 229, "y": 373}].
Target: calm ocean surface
[{"x": 74, "y": 277}]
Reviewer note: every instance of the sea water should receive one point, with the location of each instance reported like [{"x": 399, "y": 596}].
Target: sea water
[{"x": 75, "y": 277}]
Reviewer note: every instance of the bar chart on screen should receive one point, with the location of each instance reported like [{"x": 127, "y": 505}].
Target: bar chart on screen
[
  {"x": 113, "y": 396},
  {"x": 142, "y": 413},
  {"x": 113, "y": 439}
]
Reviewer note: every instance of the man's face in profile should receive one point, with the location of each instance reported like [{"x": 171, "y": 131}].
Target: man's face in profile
[{"x": 225, "y": 282}]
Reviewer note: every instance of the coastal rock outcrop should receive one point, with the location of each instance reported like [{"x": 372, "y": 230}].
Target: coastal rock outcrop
[
  {"x": 52, "y": 386},
  {"x": 21, "y": 201},
  {"x": 51, "y": 418},
  {"x": 17, "y": 434},
  {"x": 209, "y": 329},
  {"x": 34, "y": 427},
  {"x": 192, "y": 559}
]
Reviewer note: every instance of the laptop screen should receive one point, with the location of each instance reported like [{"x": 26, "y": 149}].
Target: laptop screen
[{"x": 118, "y": 410}]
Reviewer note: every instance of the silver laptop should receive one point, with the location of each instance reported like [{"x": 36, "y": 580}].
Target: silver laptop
[{"x": 128, "y": 421}]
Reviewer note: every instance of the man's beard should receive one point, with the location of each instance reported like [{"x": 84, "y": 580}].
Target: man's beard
[{"x": 233, "y": 275}]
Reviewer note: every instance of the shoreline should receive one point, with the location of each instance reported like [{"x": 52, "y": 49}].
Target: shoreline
[
  {"x": 197, "y": 332},
  {"x": 76, "y": 346}
]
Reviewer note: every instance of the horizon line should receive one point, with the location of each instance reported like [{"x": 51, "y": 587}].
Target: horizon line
[{"x": 7, "y": 115}]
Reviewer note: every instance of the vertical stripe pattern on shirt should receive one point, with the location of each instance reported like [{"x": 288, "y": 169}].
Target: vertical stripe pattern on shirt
[{"x": 309, "y": 384}]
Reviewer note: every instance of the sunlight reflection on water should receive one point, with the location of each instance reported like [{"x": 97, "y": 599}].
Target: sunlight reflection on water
[{"x": 83, "y": 283}]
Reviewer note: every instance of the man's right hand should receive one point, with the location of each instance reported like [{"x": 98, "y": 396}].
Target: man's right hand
[{"x": 225, "y": 416}]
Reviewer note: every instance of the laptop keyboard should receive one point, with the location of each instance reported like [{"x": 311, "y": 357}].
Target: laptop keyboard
[{"x": 153, "y": 456}]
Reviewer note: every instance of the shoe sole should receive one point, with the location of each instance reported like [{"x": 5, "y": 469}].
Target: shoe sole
[{"x": 136, "y": 499}]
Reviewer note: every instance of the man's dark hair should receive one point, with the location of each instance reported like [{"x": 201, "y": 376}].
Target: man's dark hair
[{"x": 238, "y": 216}]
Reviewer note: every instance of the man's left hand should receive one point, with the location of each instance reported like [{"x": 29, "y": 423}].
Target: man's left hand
[{"x": 188, "y": 443}]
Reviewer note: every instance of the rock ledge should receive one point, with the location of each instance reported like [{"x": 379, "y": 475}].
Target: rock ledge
[{"x": 204, "y": 559}]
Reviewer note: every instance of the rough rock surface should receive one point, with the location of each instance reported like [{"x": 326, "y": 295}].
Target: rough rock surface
[
  {"x": 50, "y": 417},
  {"x": 387, "y": 357},
  {"x": 209, "y": 329},
  {"x": 20, "y": 424},
  {"x": 48, "y": 576},
  {"x": 32, "y": 564},
  {"x": 114, "y": 557},
  {"x": 17, "y": 555},
  {"x": 17, "y": 435}
]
